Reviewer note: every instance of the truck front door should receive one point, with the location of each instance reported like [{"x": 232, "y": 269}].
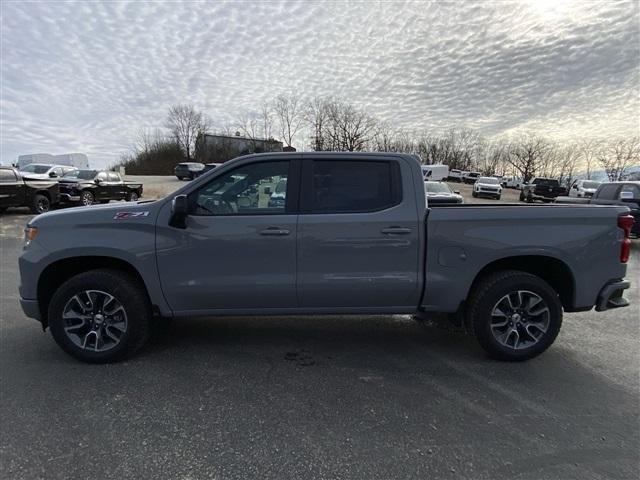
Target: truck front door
[
  {"x": 238, "y": 250},
  {"x": 358, "y": 234},
  {"x": 12, "y": 189}
]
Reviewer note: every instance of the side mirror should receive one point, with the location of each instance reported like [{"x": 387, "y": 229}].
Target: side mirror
[
  {"x": 97, "y": 181},
  {"x": 179, "y": 211},
  {"x": 53, "y": 175}
]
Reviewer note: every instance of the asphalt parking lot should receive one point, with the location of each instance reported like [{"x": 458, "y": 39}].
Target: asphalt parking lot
[{"x": 344, "y": 397}]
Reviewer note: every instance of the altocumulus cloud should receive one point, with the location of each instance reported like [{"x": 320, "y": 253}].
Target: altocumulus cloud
[{"x": 87, "y": 76}]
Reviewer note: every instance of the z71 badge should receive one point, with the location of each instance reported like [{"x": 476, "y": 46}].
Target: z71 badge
[{"x": 123, "y": 215}]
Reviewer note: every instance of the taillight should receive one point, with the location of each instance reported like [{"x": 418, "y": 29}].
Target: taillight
[{"x": 625, "y": 222}]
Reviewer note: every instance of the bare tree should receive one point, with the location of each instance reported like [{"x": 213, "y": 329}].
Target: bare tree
[
  {"x": 185, "y": 124},
  {"x": 618, "y": 155},
  {"x": 289, "y": 115},
  {"x": 526, "y": 155},
  {"x": 316, "y": 115},
  {"x": 349, "y": 129},
  {"x": 589, "y": 154}
]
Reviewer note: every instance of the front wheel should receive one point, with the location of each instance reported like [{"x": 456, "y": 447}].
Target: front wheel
[
  {"x": 529, "y": 198},
  {"x": 87, "y": 198},
  {"x": 521, "y": 196},
  {"x": 474, "y": 194},
  {"x": 100, "y": 316},
  {"x": 514, "y": 315},
  {"x": 498, "y": 197},
  {"x": 40, "y": 204},
  {"x": 132, "y": 197}
]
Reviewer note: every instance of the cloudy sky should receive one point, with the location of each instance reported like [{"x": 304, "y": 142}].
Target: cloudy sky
[{"x": 86, "y": 77}]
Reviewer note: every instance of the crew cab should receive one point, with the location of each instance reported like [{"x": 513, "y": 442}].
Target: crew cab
[
  {"x": 626, "y": 193},
  {"x": 16, "y": 191},
  {"x": 86, "y": 187},
  {"x": 545, "y": 189},
  {"x": 354, "y": 235}
]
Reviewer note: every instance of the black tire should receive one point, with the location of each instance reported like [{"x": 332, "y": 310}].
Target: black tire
[
  {"x": 179, "y": 178},
  {"x": 498, "y": 197},
  {"x": 521, "y": 196},
  {"x": 127, "y": 291},
  {"x": 474, "y": 194},
  {"x": 192, "y": 176},
  {"x": 529, "y": 198},
  {"x": 40, "y": 204},
  {"x": 132, "y": 197},
  {"x": 485, "y": 298},
  {"x": 87, "y": 198}
]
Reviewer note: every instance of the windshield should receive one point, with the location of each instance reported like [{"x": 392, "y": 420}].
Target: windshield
[
  {"x": 81, "y": 174},
  {"x": 592, "y": 185},
  {"x": 436, "y": 187},
  {"x": 35, "y": 168},
  {"x": 489, "y": 180}
]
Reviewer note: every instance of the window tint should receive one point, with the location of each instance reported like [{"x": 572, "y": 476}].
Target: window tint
[
  {"x": 608, "y": 192},
  {"x": 7, "y": 176},
  {"x": 114, "y": 177},
  {"x": 630, "y": 191},
  {"x": 254, "y": 189},
  {"x": 345, "y": 186}
]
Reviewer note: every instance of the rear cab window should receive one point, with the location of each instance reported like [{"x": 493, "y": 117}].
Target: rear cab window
[{"x": 345, "y": 186}]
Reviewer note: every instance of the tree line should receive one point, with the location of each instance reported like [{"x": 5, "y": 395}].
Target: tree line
[{"x": 332, "y": 124}]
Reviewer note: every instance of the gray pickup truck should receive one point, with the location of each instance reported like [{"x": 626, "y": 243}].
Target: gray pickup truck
[{"x": 353, "y": 234}]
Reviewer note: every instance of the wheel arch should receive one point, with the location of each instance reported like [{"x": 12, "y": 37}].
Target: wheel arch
[
  {"x": 552, "y": 270},
  {"x": 61, "y": 270}
]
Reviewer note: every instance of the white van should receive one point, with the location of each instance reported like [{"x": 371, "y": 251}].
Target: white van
[
  {"x": 512, "y": 182},
  {"x": 435, "y": 173}
]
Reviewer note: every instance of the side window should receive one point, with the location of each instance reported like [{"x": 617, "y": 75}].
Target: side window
[
  {"x": 7, "y": 176},
  {"x": 57, "y": 171},
  {"x": 629, "y": 191},
  {"x": 253, "y": 189},
  {"x": 608, "y": 192},
  {"x": 113, "y": 177},
  {"x": 351, "y": 187},
  {"x": 102, "y": 176}
]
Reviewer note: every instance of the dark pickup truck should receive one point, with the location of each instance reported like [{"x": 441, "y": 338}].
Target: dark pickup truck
[
  {"x": 87, "y": 187},
  {"x": 16, "y": 191},
  {"x": 545, "y": 189},
  {"x": 625, "y": 194}
]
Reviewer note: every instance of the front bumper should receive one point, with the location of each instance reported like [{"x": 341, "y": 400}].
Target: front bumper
[
  {"x": 611, "y": 296},
  {"x": 68, "y": 198},
  {"x": 31, "y": 308}
]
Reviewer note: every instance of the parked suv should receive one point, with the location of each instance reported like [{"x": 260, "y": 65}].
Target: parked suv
[{"x": 488, "y": 187}]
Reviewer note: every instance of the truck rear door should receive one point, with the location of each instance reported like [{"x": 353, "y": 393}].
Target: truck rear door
[
  {"x": 358, "y": 234},
  {"x": 12, "y": 189}
]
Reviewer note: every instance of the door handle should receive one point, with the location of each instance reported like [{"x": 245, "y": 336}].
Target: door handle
[
  {"x": 396, "y": 231},
  {"x": 275, "y": 231}
]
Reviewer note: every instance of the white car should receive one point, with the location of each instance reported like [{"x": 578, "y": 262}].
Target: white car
[
  {"x": 583, "y": 188},
  {"x": 487, "y": 186},
  {"x": 455, "y": 175},
  {"x": 511, "y": 182},
  {"x": 42, "y": 171}
]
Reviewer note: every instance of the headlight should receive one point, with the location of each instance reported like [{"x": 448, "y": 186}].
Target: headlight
[{"x": 30, "y": 233}]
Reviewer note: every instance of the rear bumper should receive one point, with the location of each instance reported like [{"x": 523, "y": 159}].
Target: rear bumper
[
  {"x": 30, "y": 308},
  {"x": 611, "y": 296}
]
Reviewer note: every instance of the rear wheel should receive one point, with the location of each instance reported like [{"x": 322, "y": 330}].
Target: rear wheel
[
  {"x": 529, "y": 198},
  {"x": 40, "y": 204},
  {"x": 100, "y": 316},
  {"x": 521, "y": 196},
  {"x": 87, "y": 198},
  {"x": 132, "y": 197},
  {"x": 514, "y": 315}
]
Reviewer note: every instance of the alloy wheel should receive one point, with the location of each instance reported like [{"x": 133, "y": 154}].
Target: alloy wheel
[
  {"x": 520, "y": 319},
  {"x": 94, "y": 320}
]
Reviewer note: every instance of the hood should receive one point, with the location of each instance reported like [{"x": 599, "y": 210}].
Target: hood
[{"x": 126, "y": 212}]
